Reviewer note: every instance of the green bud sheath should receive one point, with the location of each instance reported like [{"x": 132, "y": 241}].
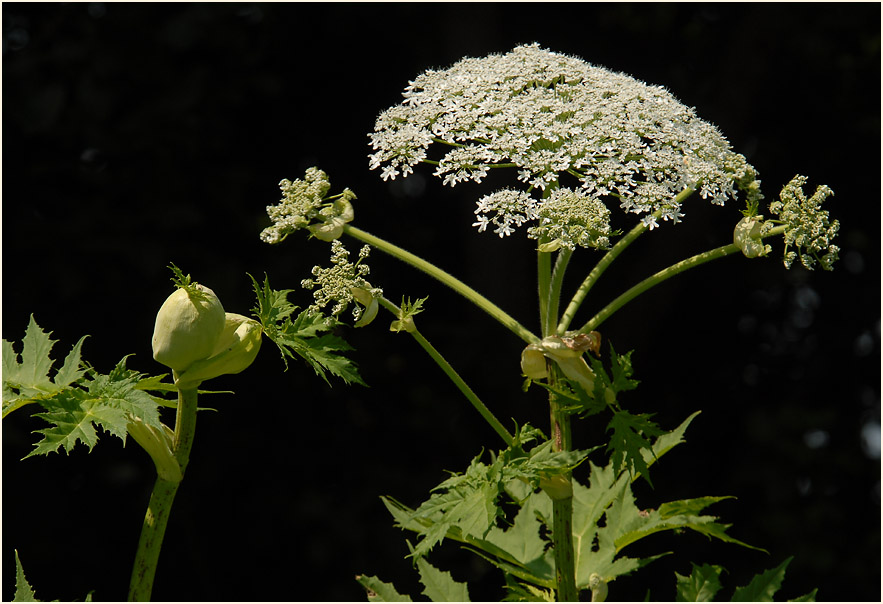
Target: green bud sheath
[
  {"x": 187, "y": 328},
  {"x": 236, "y": 349},
  {"x": 747, "y": 238}
]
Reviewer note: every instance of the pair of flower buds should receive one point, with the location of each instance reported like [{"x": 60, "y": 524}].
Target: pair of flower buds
[{"x": 197, "y": 340}]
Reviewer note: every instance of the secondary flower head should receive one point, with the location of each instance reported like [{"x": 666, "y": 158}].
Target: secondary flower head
[
  {"x": 807, "y": 226},
  {"x": 549, "y": 115},
  {"x": 305, "y": 204},
  {"x": 342, "y": 283}
]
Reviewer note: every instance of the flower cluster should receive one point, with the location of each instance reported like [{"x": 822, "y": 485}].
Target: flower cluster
[
  {"x": 807, "y": 226},
  {"x": 305, "y": 204},
  {"x": 547, "y": 115},
  {"x": 342, "y": 283},
  {"x": 572, "y": 218}
]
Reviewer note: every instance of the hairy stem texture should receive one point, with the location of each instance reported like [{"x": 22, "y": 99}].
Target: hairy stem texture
[
  {"x": 160, "y": 505},
  {"x": 562, "y": 506}
]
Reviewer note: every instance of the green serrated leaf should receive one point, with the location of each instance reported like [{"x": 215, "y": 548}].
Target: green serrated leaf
[
  {"x": 378, "y": 591},
  {"x": 23, "y": 591},
  {"x": 521, "y": 542},
  {"x": 301, "y": 336},
  {"x": 630, "y": 440},
  {"x": 439, "y": 585},
  {"x": 763, "y": 586},
  {"x": 810, "y": 597},
  {"x": 74, "y": 416},
  {"x": 701, "y": 586},
  {"x": 26, "y": 379},
  {"x": 104, "y": 401}
]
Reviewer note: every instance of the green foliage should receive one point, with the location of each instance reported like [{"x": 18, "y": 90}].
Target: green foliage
[
  {"x": 23, "y": 591},
  {"x": 629, "y": 440},
  {"x": 606, "y": 518},
  {"x": 701, "y": 586},
  {"x": 26, "y": 379},
  {"x": 408, "y": 310},
  {"x": 301, "y": 336},
  {"x": 439, "y": 586},
  {"x": 379, "y": 591},
  {"x": 465, "y": 505},
  {"x": 79, "y": 399},
  {"x": 704, "y": 583}
]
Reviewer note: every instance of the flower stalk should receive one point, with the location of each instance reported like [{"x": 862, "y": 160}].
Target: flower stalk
[
  {"x": 161, "y": 499},
  {"x": 458, "y": 381},
  {"x": 433, "y": 271}
]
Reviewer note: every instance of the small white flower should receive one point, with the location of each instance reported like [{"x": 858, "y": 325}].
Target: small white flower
[{"x": 650, "y": 220}]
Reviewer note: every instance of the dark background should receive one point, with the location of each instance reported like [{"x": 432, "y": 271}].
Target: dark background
[{"x": 137, "y": 135}]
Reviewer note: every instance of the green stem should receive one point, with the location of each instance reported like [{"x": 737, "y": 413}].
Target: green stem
[
  {"x": 562, "y": 504},
  {"x": 150, "y": 543},
  {"x": 602, "y": 265},
  {"x": 562, "y": 536},
  {"x": 161, "y": 499},
  {"x": 555, "y": 285},
  {"x": 458, "y": 286},
  {"x": 544, "y": 288},
  {"x": 440, "y": 360},
  {"x": 656, "y": 279}
]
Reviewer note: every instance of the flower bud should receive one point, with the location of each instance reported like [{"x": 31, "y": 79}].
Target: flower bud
[
  {"x": 533, "y": 362},
  {"x": 566, "y": 352},
  {"x": 332, "y": 228},
  {"x": 747, "y": 238},
  {"x": 366, "y": 299},
  {"x": 236, "y": 349},
  {"x": 598, "y": 586},
  {"x": 187, "y": 327}
]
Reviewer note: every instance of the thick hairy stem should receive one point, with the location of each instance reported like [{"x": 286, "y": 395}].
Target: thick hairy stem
[
  {"x": 150, "y": 543},
  {"x": 562, "y": 505},
  {"x": 562, "y": 536},
  {"x": 160, "y": 505}
]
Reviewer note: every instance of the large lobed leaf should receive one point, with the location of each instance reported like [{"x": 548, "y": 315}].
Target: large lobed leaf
[
  {"x": 26, "y": 378},
  {"x": 78, "y": 401},
  {"x": 704, "y": 583}
]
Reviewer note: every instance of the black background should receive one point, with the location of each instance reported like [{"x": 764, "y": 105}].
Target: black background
[{"x": 135, "y": 135}]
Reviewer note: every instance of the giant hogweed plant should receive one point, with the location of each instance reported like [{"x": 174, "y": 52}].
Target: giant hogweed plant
[
  {"x": 554, "y": 516},
  {"x": 197, "y": 340}
]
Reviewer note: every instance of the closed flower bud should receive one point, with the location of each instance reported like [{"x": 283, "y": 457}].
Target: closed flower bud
[
  {"x": 747, "y": 238},
  {"x": 567, "y": 353},
  {"x": 236, "y": 349},
  {"x": 533, "y": 362},
  {"x": 187, "y": 327},
  {"x": 366, "y": 299}
]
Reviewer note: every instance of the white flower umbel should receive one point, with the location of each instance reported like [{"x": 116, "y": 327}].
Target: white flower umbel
[{"x": 546, "y": 115}]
